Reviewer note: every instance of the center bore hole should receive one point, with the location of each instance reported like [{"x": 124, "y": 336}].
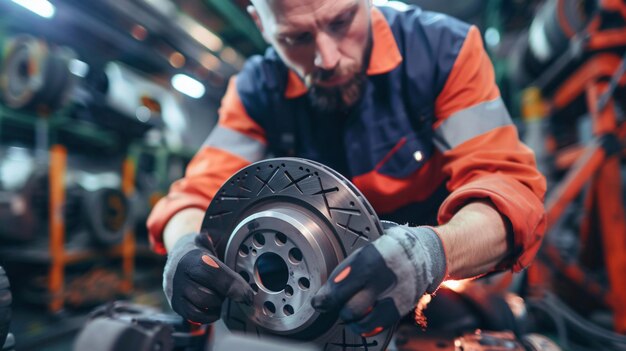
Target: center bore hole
[
  {"x": 22, "y": 69},
  {"x": 272, "y": 271}
]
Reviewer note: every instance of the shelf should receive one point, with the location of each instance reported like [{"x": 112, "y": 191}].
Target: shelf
[
  {"x": 42, "y": 255},
  {"x": 73, "y": 133}
]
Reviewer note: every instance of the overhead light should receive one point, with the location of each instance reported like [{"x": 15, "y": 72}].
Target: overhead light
[
  {"x": 200, "y": 33},
  {"x": 41, "y": 7},
  {"x": 139, "y": 32},
  {"x": 177, "y": 60},
  {"x": 188, "y": 86},
  {"x": 492, "y": 37},
  {"x": 78, "y": 68},
  {"x": 143, "y": 114},
  {"x": 210, "y": 62},
  {"x": 231, "y": 56}
]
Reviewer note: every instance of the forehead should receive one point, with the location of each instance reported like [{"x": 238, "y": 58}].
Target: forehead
[{"x": 290, "y": 13}]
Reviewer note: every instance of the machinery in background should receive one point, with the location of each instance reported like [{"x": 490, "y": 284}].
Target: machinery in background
[
  {"x": 68, "y": 234},
  {"x": 121, "y": 326},
  {"x": 157, "y": 167},
  {"x": 46, "y": 80},
  {"x": 96, "y": 210},
  {"x": 70, "y": 242},
  {"x": 573, "y": 65},
  {"x": 35, "y": 76},
  {"x": 119, "y": 98},
  {"x": 7, "y": 341}
]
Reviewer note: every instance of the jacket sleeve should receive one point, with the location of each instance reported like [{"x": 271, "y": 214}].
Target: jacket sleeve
[
  {"x": 235, "y": 142},
  {"x": 483, "y": 156}
]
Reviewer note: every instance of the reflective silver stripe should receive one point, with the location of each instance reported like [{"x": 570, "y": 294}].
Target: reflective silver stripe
[
  {"x": 471, "y": 122},
  {"x": 236, "y": 143}
]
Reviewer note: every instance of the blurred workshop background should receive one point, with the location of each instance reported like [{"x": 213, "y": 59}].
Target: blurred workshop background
[{"x": 104, "y": 102}]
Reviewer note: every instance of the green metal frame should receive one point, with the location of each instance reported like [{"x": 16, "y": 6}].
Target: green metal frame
[
  {"x": 239, "y": 21},
  {"x": 85, "y": 131}
]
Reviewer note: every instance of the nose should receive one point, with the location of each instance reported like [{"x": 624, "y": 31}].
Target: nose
[{"x": 327, "y": 52}]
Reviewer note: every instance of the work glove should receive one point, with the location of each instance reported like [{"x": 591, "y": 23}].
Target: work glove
[
  {"x": 196, "y": 283},
  {"x": 378, "y": 284}
]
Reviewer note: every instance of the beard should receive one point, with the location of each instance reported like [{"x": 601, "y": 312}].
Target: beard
[
  {"x": 339, "y": 98},
  {"x": 342, "y": 97}
]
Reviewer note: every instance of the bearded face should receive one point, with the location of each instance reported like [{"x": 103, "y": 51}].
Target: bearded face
[
  {"x": 328, "y": 98},
  {"x": 326, "y": 42}
]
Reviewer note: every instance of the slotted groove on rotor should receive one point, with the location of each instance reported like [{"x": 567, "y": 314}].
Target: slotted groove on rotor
[
  {"x": 294, "y": 182},
  {"x": 340, "y": 206}
]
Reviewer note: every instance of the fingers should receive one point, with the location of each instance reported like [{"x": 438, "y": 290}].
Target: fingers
[
  {"x": 197, "y": 303},
  {"x": 211, "y": 273},
  {"x": 195, "y": 314},
  {"x": 382, "y": 316},
  {"x": 361, "y": 304},
  {"x": 364, "y": 267},
  {"x": 344, "y": 282}
]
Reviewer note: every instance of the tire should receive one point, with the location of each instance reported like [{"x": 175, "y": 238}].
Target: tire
[
  {"x": 107, "y": 213},
  {"x": 5, "y": 306}
]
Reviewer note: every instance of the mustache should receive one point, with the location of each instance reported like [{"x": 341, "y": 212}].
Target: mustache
[{"x": 322, "y": 75}]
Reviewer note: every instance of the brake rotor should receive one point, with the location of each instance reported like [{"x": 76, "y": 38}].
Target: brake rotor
[{"x": 284, "y": 224}]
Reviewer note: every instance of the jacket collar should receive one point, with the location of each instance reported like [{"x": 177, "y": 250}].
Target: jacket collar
[{"x": 384, "y": 58}]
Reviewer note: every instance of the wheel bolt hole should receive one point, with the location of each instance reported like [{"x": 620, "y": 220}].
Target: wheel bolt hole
[
  {"x": 288, "y": 290},
  {"x": 304, "y": 283},
  {"x": 295, "y": 255},
  {"x": 281, "y": 239},
  {"x": 269, "y": 308},
  {"x": 258, "y": 240},
  {"x": 243, "y": 251},
  {"x": 254, "y": 287},
  {"x": 288, "y": 310}
]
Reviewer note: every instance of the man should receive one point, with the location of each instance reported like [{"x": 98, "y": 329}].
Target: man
[{"x": 404, "y": 104}]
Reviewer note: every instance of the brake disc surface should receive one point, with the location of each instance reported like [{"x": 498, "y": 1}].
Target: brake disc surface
[{"x": 284, "y": 224}]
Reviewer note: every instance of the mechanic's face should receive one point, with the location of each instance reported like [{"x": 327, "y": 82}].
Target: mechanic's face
[{"x": 326, "y": 42}]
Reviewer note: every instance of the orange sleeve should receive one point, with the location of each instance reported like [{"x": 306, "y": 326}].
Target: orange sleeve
[
  {"x": 484, "y": 158},
  {"x": 212, "y": 165}
]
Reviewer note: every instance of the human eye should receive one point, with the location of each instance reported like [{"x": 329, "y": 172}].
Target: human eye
[
  {"x": 297, "y": 39},
  {"x": 342, "y": 22}
]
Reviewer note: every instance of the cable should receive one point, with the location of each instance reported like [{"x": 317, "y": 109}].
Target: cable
[
  {"x": 562, "y": 314},
  {"x": 583, "y": 325},
  {"x": 561, "y": 329}
]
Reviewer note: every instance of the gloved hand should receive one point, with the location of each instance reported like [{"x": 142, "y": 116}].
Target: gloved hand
[
  {"x": 196, "y": 283},
  {"x": 378, "y": 284}
]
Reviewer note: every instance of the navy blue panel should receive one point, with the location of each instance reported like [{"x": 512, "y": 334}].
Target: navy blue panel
[
  {"x": 429, "y": 42},
  {"x": 255, "y": 86}
]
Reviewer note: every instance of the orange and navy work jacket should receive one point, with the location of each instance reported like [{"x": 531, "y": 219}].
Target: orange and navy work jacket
[{"x": 429, "y": 135}]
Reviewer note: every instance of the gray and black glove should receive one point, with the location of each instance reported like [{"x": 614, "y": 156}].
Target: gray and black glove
[
  {"x": 196, "y": 283},
  {"x": 381, "y": 282}
]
